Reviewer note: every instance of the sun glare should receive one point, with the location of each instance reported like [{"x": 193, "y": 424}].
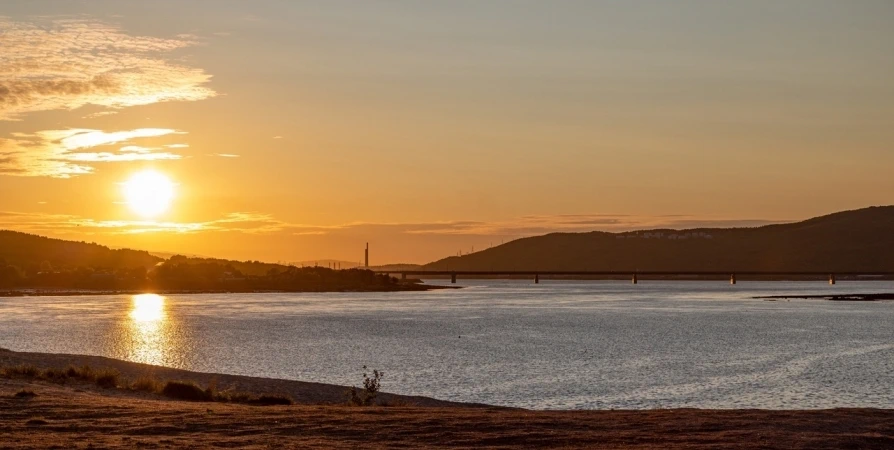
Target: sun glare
[
  {"x": 149, "y": 193},
  {"x": 147, "y": 308}
]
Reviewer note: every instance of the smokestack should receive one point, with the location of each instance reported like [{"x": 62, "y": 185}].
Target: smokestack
[{"x": 366, "y": 255}]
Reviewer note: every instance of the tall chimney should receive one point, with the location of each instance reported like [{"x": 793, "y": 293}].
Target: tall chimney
[{"x": 366, "y": 255}]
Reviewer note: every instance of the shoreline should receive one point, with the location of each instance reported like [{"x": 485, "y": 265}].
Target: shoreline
[
  {"x": 62, "y": 292},
  {"x": 302, "y": 392},
  {"x": 832, "y": 297},
  {"x": 73, "y": 414}
]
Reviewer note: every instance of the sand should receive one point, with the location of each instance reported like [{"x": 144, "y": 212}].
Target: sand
[{"x": 81, "y": 415}]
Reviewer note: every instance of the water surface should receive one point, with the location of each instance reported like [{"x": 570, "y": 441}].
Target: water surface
[{"x": 552, "y": 345}]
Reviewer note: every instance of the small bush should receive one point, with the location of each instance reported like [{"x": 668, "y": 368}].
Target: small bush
[
  {"x": 24, "y": 370},
  {"x": 84, "y": 372},
  {"x": 147, "y": 384},
  {"x": 184, "y": 390},
  {"x": 232, "y": 396},
  {"x": 371, "y": 386},
  {"x": 25, "y": 393},
  {"x": 55, "y": 375},
  {"x": 270, "y": 400},
  {"x": 107, "y": 378}
]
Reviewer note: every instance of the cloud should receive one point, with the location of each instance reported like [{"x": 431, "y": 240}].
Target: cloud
[
  {"x": 65, "y": 64},
  {"x": 99, "y": 114},
  {"x": 527, "y": 226},
  {"x": 260, "y": 223},
  {"x": 225, "y": 155},
  {"x": 61, "y": 153},
  {"x": 277, "y": 137},
  {"x": 243, "y": 222}
]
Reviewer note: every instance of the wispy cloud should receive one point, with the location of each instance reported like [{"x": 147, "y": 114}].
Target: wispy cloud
[
  {"x": 225, "y": 155},
  {"x": 243, "y": 222},
  {"x": 259, "y": 223},
  {"x": 65, "y": 64},
  {"x": 100, "y": 114},
  {"x": 64, "y": 153}
]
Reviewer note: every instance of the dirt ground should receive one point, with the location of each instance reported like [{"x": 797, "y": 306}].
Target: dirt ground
[{"x": 84, "y": 416}]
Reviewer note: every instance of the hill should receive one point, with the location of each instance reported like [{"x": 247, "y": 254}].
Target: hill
[
  {"x": 860, "y": 240},
  {"x": 35, "y": 262},
  {"x": 29, "y": 252}
]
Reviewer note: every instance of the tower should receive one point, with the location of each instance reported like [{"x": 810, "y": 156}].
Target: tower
[{"x": 366, "y": 256}]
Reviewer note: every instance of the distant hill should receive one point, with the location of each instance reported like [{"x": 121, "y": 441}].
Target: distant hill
[
  {"x": 397, "y": 267},
  {"x": 334, "y": 263},
  {"x": 34, "y": 262},
  {"x": 860, "y": 240},
  {"x": 27, "y": 250}
]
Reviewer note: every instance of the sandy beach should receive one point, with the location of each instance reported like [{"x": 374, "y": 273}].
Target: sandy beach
[{"x": 82, "y": 415}]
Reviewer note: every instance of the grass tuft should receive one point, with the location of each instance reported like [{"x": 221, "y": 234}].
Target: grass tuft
[
  {"x": 147, "y": 384},
  {"x": 84, "y": 372},
  {"x": 185, "y": 390},
  {"x": 25, "y": 393},
  {"x": 106, "y": 378},
  {"x": 24, "y": 370},
  {"x": 180, "y": 390},
  {"x": 55, "y": 375}
]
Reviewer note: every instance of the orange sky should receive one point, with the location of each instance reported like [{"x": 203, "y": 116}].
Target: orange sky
[{"x": 301, "y": 130}]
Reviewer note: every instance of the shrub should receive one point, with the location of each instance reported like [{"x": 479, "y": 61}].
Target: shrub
[
  {"x": 107, "y": 378},
  {"x": 147, "y": 384},
  {"x": 232, "y": 396},
  {"x": 24, "y": 370},
  {"x": 25, "y": 393},
  {"x": 371, "y": 386},
  {"x": 55, "y": 375},
  {"x": 184, "y": 390},
  {"x": 84, "y": 372}
]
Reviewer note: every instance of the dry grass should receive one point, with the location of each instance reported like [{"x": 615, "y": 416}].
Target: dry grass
[
  {"x": 187, "y": 390},
  {"x": 107, "y": 378},
  {"x": 23, "y": 370},
  {"x": 111, "y": 379},
  {"x": 147, "y": 384},
  {"x": 62, "y": 417}
]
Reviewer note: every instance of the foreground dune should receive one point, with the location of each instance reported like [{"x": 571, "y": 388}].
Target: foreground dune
[{"x": 81, "y": 415}]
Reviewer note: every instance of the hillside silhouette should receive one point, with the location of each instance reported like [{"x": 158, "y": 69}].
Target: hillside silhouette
[
  {"x": 860, "y": 240},
  {"x": 28, "y": 261}
]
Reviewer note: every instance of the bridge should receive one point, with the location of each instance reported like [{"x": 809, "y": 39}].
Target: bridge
[{"x": 634, "y": 276}]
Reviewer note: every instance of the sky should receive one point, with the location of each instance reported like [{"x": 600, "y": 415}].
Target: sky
[{"x": 299, "y": 130}]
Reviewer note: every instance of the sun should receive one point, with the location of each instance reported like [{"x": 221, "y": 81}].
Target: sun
[{"x": 149, "y": 193}]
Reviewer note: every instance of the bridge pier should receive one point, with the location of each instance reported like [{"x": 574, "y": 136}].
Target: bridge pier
[
  {"x": 635, "y": 279},
  {"x": 732, "y": 279},
  {"x": 831, "y": 278},
  {"x": 453, "y": 278},
  {"x": 537, "y": 278}
]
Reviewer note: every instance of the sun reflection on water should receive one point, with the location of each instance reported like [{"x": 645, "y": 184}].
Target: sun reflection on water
[
  {"x": 148, "y": 308},
  {"x": 148, "y": 330}
]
